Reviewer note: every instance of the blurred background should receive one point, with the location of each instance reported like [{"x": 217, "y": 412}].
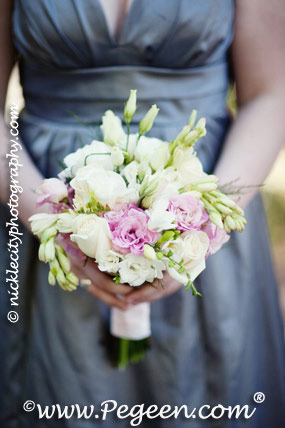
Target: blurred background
[{"x": 273, "y": 192}]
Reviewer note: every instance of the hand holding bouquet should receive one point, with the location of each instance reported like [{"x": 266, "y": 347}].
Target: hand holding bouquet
[{"x": 138, "y": 207}]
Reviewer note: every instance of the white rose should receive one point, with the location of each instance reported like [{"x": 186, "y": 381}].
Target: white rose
[
  {"x": 112, "y": 129},
  {"x": 188, "y": 165},
  {"x": 42, "y": 221},
  {"x": 196, "y": 244},
  {"x": 109, "y": 261},
  {"x": 159, "y": 218},
  {"x": 154, "y": 151},
  {"x": 135, "y": 270},
  {"x": 107, "y": 187},
  {"x": 92, "y": 235},
  {"x": 87, "y": 154}
]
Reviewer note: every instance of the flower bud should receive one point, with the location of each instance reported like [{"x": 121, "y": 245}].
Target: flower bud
[
  {"x": 159, "y": 255},
  {"x": 169, "y": 234},
  {"x": 204, "y": 187},
  {"x": 48, "y": 233},
  {"x": 117, "y": 156},
  {"x": 71, "y": 277},
  {"x": 223, "y": 209},
  {"x": 42, "y": 253},
  {"x": 230, "y": 222},
  {"x": 182, "y": 134},
  {"x": 64, "y": 262},
  {"x": 51, "y": 278},
  {"x": 112, "y": 128},
  {"x": 149, "y": 252},
  {"x": 69, "y": 286},
  {"x": 130, "y": 106},
  {"x": 60, "y": 277},
  {"x": 216, "y": 219},
  {"x": 54, "y": 267},
  {"x": 147, "y": 122},
  {"x": 200, "y": 128},
  {"x": 49, "y": 250},
  {"x": 190, "y": 138},
  {"x": 192, "y": 119},
  {"x": 147, "y": 201}
]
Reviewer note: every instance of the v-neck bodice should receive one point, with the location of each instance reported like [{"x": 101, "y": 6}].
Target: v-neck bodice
[
  {"x": 74, "y": 33},
  {"x": 120, "y": 18}
]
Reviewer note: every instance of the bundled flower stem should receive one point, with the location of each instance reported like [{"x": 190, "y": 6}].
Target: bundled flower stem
[{"x": 139, "y": 207}]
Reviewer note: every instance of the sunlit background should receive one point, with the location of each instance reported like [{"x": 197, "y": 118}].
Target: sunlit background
[{"x": 273, "y": 193}]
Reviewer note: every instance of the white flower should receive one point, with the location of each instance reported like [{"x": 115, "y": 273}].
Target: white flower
[
  {"x": 149, "y": 252},
  {"x": 107, "y": 187},
  {"x": 109, "y": 261},
  {"x": 130, "y": 172},
  {"x": 154, "y": 151},
  {"x": 42, "y": 221},
  {"x": 159, "y": 218},
  {"x": 112, "y": 129},
  {"x": 117, "y": 156},
  {"x": 92, "y": 235},
  {"x": 135, "y": 270},
  {"x": 131, "y": 106},
  {"x": 87, "y": 155},
  {"x": 195, "y": 247},
  {"x": 65, "y": 221},
  {"x": 147, "y": 122},
  {"x": 169, "y": 183},
  {"x": 188, "y": 165},
  {"x": 176, "y": 246}
]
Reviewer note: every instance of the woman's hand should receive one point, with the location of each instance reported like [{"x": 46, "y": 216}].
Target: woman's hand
[
  {"x": 155, "y": 291},
  {"x": 102, "y": 286}
]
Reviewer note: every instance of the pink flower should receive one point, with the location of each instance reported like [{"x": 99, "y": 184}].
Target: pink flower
[
  {"x": 129, "y": 229},
  {"x": 52, "y": 190},
  {"x": 189, "y": 212},
  {"x": 218, "y": 237}
]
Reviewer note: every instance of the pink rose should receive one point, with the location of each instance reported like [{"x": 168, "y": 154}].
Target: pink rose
[
  {"x": 52, "y": 190},
  {"x": 129, "y": 229},
  {"x": 218, "y": 237},
  {"x": 189, "y": 212}
]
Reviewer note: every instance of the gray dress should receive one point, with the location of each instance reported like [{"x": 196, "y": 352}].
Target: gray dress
[{"x": 221, "y": 348}]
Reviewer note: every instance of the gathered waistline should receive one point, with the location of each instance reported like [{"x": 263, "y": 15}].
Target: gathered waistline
[{"x": 56, "y": 91}]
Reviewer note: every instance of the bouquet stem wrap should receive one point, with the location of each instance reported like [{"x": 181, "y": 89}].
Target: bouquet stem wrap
[{"x": 133, "y": 330}]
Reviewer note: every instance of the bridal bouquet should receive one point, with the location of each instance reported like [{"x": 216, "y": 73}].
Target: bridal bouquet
[{"x": 137, "y": 206}]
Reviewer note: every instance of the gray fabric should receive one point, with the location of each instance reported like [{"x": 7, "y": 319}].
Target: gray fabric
[{"x": 221, "y": 348}]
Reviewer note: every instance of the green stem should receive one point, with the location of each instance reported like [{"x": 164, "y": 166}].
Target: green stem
[
  {"x": 128, "y": 136},
  {"x": 123, "y": 359},
  {"x": 97, "y": 154}
]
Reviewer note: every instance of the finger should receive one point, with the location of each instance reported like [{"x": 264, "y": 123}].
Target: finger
[
  {"x": 108, "y": 298},
  {"x": 104, "y": 281},
  {"x": 146, "y": 293}
]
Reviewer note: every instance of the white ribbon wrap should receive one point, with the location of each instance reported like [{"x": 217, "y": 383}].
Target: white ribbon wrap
[{"x": 133, "y": 324}]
